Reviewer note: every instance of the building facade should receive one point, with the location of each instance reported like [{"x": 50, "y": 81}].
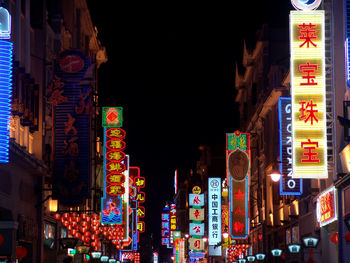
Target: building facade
[{"x": 41, "y": 30}]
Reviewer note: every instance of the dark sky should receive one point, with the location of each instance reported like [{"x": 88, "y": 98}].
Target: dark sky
[{"x": 171, "y": 67}]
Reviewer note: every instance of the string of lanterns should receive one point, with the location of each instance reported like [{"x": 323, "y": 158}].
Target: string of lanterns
[{"x": 89, "y": 230}]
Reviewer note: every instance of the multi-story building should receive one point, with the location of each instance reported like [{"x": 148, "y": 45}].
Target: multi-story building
[
  {"x": 283, "y": 219},
  {"x": 41, "y": 30}
]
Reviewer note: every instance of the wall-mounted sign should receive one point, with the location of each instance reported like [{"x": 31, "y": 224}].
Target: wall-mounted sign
[
  {"x": 196, "y": 229},
  {"x": 308, "y": 86},
  {"x": 326, "y": 207},
  {"x": 288, "y": 185},
  {"x": 238, "y": 177},
  {"x": 214, "y": 210}
]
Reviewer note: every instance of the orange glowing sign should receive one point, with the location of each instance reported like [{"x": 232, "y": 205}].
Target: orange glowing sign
[{"x": 327, "y": 207}]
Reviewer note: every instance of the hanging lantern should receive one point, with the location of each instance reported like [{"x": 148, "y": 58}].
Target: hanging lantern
[
  {"x": 347, "y": 237},
  {"x": 57, "y": 216},
  {"x": 334, "y": 238},
  {"x": 21, "y": 252}
]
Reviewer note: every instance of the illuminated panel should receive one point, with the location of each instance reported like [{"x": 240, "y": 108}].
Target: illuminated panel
[
  {"x": 288, "y": 185},
  {"x": 308, "y": 94},
  {"x": 326, "y": 207},
  {"x": 5, "y": 83},
  {"x": 238, "y": 177},
  {"x": 173, "y": 222},
  {"x": 214, "y": 210}
]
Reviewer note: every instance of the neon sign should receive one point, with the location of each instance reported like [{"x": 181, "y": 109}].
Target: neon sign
[
  {"x": 326, "y": 207},
  {"x": 308, "y": 94},
  {"x": 5, "y": 83},
  {"x": 288, "y": 185},
  {"x": 238, "y": 177}
]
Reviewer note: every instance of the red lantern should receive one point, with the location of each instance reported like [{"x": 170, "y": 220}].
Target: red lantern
[
  {"x": 21, "y": 252},
  {"x": 57, "y": 216},
  {"x": 1, "y": 239},
  {"x": 347, "y": 237},
  {"x": 334, "y": 238}
]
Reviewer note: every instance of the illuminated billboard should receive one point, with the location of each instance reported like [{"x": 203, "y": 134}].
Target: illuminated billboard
[
  {"x": 238, "y": 177},
  {"x": 307, "y": 75}
]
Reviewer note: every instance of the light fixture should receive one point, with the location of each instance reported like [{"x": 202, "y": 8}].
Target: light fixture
[
  {"x": 96, "y": 254},
  {"x": 187, "y": 235},
  {"x": 241, "y": 260},
  {"x": 53, "y": 205},
  {"x": 205, "y": 239},
  {"x": 276, "y": 252},
  {"x": 347, "y": 221},
  {"x": 112, "y": 260},
  {"x": 250, "y": 258},
  {"x": 294, "y": 248},
  {"x": 104, "y": 258},
  {"x": 225, "y": 235},
  {"x": 275, "y": 176},
  {"x": 310, "y": 242},
  {"x": 260, "y": 256}
]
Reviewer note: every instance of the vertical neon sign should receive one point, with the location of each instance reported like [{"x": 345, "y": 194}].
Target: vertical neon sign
[
  {"x": 5, "y": 83},
  {"x": 308, "y": 93},
  {"x": 238, "y": 177},
  {"x": 288, "y": 185},
  {"x": 116, "y": 179}
]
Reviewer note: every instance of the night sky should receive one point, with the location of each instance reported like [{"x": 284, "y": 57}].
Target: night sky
[{"x": 171, "y": 67}]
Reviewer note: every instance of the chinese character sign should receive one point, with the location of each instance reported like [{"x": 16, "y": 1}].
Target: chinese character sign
[
  {"x": 214, "y": 210},
  {"x": 326, "y": 207},
  {"x": 308, "y": 94},
  {"x": 166, "y": 226},
  {"x": 196, "y": 214},
  {"x": 196, "y": 227},
  {"x": 71, "y": 101},
  {"x": 238, "y": 177},
  {"x": 196, "y": 200},
  {"x": 288, "y": 185}
]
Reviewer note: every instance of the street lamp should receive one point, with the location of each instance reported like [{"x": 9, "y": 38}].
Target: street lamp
[
  {"x": 294, "y": 248},
  {"x": 260, "y": 256},
  {"x": 250, "y": 258},
  {"x": 275, "y": 176},
  {"x": 310, "y": 242},
  {"x": 276, "y": 252},
  {"x": 225, "y": 235}
]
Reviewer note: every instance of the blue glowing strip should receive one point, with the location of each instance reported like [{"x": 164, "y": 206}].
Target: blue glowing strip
[
  {"x": 5, "y": 98},
  {"x": 347, "y": 59}
]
